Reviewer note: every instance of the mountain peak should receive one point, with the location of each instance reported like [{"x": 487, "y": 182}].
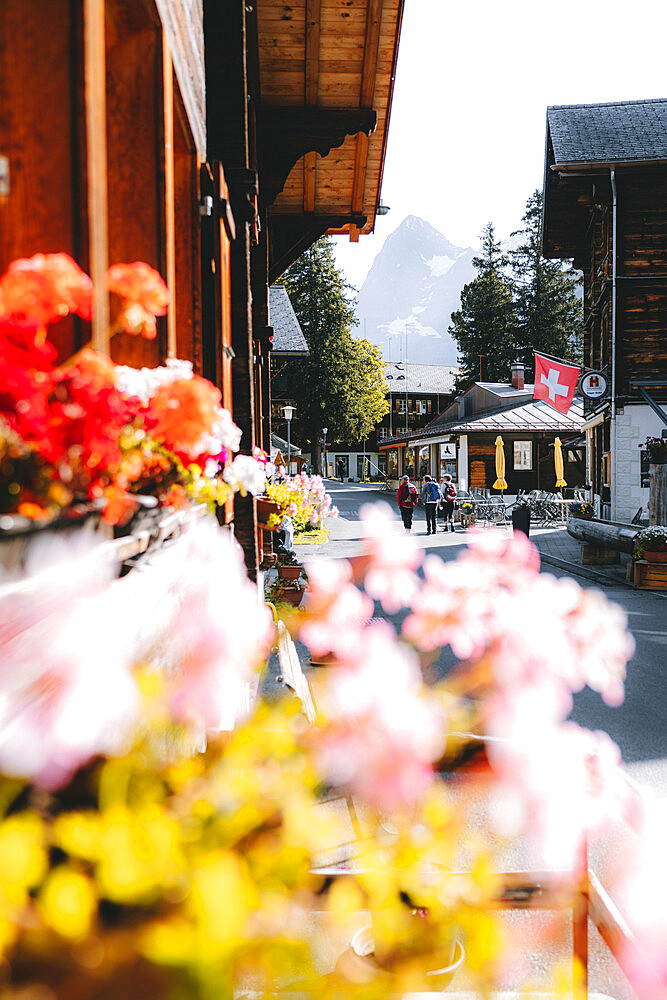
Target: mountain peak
[{"x": 411, "y": 290}]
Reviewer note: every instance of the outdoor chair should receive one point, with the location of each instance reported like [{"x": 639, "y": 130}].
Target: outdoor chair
[{"x": 545, "y": 509}]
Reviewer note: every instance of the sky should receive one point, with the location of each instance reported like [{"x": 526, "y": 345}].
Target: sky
[{"x": 473, "y": 82}]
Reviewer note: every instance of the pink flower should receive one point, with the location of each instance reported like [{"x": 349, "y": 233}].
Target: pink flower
[
  {"x": 390, "y": 576},
  {"x": 336, "y": 610},
  {"x": 641, "y": 891},
  {"x": 66, "y": 687},
  {"x": 381, "y": 733},
  {"x": 219, "y": 634}
]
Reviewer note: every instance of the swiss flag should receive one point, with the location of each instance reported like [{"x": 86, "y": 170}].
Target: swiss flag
[{"x": 555, "y": 382}]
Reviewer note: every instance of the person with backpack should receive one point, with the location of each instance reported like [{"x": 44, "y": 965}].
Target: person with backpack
[
  {"x": 448, "y": 498},
  {"x": 431, "y": 496},
  {"x": 406, "y": 498}
]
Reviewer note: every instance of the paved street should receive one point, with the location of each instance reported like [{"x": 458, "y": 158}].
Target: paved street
[{"x": 639, "y": 726}]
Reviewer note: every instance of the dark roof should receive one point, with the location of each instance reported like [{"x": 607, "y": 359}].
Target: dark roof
[
  {"x": 420, "y": 378},
  {"x": 288, "y": 337},
  {"x": 620, "y": 131},
  {"x": 533, "y": 416}
]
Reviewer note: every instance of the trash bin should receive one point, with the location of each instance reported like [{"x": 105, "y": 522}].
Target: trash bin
[{"x": 521, "y": 520}]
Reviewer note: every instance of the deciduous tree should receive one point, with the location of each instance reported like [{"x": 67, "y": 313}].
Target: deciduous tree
[{"x": 341, "y": 385}]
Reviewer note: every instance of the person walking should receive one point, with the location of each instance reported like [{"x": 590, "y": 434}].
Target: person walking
[
  {"x": 431, "y": 496},
  {"x": 406, "y": 498},
  {"x": 448, "y": 498}
]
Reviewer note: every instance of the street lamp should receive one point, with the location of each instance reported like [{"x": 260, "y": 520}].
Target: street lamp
[
  {"x": 324, "y": 430},
  {"x": 289, "y": 412}
]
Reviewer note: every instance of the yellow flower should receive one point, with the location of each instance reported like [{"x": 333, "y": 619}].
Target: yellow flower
[
  {"x": 139, "y": 853},
  {"x": 221, "y": 898},
  {"x": 68, "y": 903},
  {"x": 23, "y": 860},
  {"x": 78, "y": 834}
]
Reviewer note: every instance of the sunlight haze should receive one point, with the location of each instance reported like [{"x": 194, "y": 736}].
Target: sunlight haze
[{"x": 466, "y": 140}]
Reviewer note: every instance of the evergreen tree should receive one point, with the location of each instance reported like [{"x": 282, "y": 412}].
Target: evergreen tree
[
  {"x": 485, "y": 323},
  {"x": 549, "y": 312},
  {"x": 341, "y": 385}
]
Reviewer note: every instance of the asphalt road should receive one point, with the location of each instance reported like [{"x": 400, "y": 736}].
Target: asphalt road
[{"x": 639, "y": 726}]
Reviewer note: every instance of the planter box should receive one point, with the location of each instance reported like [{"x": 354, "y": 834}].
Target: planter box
[
  {"x": 655, "y": 557},
  {"x": 289, "y": 572},
  {"x": 265, "y": 508},
  {"x": 17, "y": 533},
  {"x": 292, "y": 595},
  {"x": 650, "y": 576}
]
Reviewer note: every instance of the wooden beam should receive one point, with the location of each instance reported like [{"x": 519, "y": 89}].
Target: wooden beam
[
  {"x": 290, "y": 235},
  {"x": 359, "y": 181},
  {"x": 312, "y": 50},
  {"x": 311, "y": 94},
  {"x": 371, "y": 44},
  {"x": 309, "y": 181},
  {"x": 366, "y": 94},
  {"x": 96, "y": 163},
  {"x": 169, "y": 198},
  {"x": 285, "y": 134}
]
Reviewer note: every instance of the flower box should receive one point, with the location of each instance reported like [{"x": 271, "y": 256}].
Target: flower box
[
  {"x": 289, "y": 572},
  {"x": 265, "y": 508}
]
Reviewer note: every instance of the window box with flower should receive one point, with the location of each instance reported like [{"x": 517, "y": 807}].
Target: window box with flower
[
  {"x": 93, "y": 432},
  {"x": 651, "y": 544},
  {"x": 582, "y": 509},
  {"x": 657, "y": 450}
]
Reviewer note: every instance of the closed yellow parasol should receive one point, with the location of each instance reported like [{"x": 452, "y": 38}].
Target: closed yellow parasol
[
  {"x": 558, "y": 462},
  {"x": 500, "y": 483}
]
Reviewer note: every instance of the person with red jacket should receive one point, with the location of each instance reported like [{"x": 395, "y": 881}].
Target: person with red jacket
[{"x": 406, "y": 498}]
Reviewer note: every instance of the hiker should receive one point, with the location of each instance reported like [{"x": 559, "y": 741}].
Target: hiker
[
  {"x": 406, "y": 498},
  {"x": 431, "y": 496},
  {"x": 448, "y": 497}
]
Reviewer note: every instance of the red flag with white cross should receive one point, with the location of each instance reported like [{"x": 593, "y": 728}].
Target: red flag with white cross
[{"x": 555, "y": 382}]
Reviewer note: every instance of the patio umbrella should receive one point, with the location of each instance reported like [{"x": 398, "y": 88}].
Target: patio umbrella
[
  {"x": 500, "y": 483},
  {"x": 558, "y": 462}
]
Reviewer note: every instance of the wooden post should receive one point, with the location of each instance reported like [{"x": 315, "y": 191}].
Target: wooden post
[
  {"x": 228, "y": 141},
  {"x": 96, "y": 162},
  {"x": 169, "y": 198},
  {"x": 657, "y": 503}
]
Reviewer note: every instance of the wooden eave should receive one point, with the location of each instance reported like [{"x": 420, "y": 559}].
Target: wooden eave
[{"x": 326, "y": 74}]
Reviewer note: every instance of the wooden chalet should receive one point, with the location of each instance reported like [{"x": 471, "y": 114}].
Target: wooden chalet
[
  {"x": 460, "y": 441},
  {"x": 415, "y": 395},
  {"x": 605, "y": 206},
  {"x": 214, "y": 139}
]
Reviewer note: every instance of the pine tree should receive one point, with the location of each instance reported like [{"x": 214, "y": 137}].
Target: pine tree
[
  {"x": 485, "y": 324},
  {"x": 341, "y": 385},
  {"x": 549, "y": 312}
]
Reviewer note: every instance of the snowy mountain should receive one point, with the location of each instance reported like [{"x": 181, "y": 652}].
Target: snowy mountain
[{"x": 414, "y": 285}]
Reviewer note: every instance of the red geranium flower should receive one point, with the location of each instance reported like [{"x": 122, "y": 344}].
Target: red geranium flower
[
  {"x": 44, "y": 288},
  {"x": 144, "y": 296},
  {"x": 182, "y": 412}
]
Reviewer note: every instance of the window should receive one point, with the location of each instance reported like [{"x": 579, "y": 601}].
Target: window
[
  {"x": 523, "y": 455},
  {"x": 400, "y": 405},
  {"x": 383, "y": 432},
  {"x": 421, "y": 406}
]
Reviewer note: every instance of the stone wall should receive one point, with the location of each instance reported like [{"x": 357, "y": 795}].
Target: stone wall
[{"x": 633, "y": 425}]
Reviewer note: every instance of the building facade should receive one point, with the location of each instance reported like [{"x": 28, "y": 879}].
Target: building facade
[
  {"x": 605, "y": 206},
  {"x": 416, "y": 394},
  {"x": 214, "y": 139},
  {"x": 461, "y": 440}
]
